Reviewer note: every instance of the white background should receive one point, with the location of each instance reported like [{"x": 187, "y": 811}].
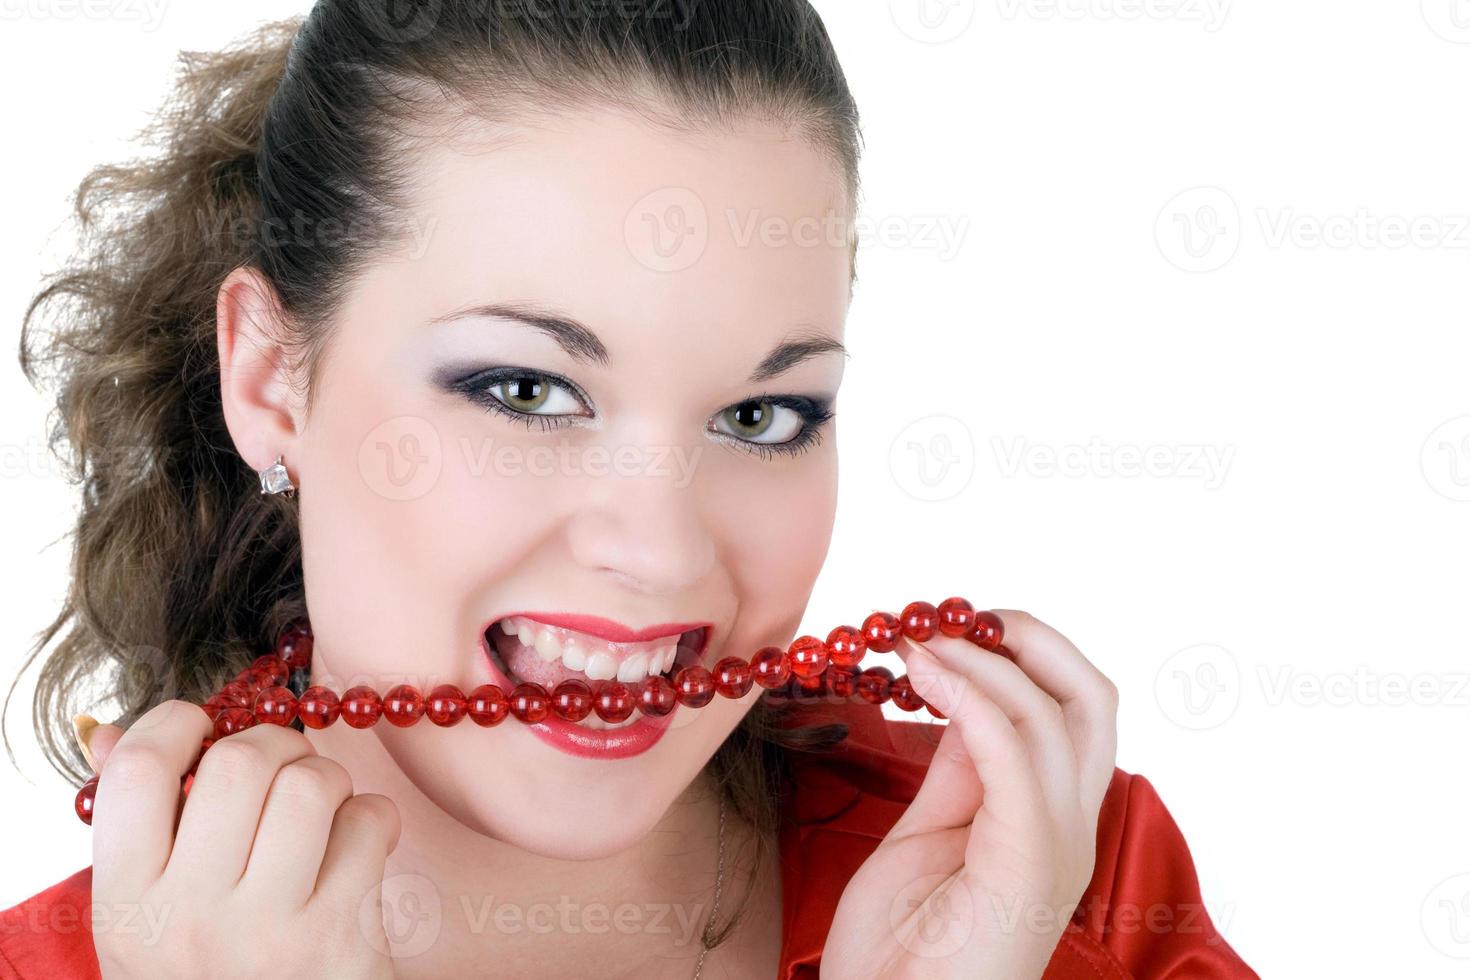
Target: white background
[{"x": 1232, "y": 238}]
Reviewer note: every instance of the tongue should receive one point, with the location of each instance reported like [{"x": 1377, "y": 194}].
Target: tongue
[{"x": 525, "y": 664}]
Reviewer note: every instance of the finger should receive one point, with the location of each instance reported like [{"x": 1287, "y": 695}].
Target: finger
[
  {"x": 101, "y": 740},
  {"x": 292, "y": 837},
  {"x": 1034, "y": 712},
  {"x": 1013, "y": 793},
  {"x": 1089, "y": 700},
  {"x": 364, "y": 832},
  {"x": 951, "y": 793},
  {"x": 225, "y": 804},
  {"x": 138, "y": 795}
]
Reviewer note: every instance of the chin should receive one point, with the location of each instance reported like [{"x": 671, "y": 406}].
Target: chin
[{"x": 505, "y": 785}]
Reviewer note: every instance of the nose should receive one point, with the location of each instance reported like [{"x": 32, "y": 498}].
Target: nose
[{"x": 645, "y": 531}]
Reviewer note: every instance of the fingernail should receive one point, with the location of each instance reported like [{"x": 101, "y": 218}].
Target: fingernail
[
  {"x": 914, "y": 644},
  {"x": 83, "y": 726}
]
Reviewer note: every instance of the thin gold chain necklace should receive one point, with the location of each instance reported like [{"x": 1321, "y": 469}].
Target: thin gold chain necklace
[{"x": 709, "y": 923}]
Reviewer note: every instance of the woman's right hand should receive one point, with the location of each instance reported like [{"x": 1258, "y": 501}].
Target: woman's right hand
[{"x": 272, "y": 867}]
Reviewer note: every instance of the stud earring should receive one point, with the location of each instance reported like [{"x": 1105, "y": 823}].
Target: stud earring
[{"x": 275, "y": 479}]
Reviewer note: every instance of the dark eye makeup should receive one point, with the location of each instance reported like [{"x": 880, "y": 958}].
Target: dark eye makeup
[{"x": 765, "y": 425}]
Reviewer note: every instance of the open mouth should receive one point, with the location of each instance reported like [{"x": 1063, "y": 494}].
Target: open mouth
[{"x": 527, "y": 650}]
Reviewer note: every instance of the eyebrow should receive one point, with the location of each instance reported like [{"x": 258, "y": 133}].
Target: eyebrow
[
  {"x": 582, "y": 344},
  {"x": 790, "y": 353},
  {"x": 579, "y": 342}
]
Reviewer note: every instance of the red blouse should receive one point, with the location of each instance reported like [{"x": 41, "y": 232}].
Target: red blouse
[{"x": 1141, "y": 918}]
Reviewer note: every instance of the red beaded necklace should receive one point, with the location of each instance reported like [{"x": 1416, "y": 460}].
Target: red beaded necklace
[{"x": 273, "y": 690}]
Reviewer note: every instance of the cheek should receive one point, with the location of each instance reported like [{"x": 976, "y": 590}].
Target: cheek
[
  {"x": 407, "y": 526},
  {"x": 777, "y": 548}
]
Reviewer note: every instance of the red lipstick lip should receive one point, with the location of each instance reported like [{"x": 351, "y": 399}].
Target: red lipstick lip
[
  {"x": 578, "y": 740},
  {"x": 607, "y": 629}
]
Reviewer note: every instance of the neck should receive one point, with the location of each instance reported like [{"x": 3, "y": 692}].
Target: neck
[{"x": 455, "y": 898}]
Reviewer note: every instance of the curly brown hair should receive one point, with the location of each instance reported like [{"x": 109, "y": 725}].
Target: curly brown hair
[{"x": 181, "y": 571}]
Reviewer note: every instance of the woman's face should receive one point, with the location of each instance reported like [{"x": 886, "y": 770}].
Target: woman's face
[{"x": 568, "y": 395}]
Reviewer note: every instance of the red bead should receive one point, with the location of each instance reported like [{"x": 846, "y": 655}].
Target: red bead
[
  {"x": 232, "y": 720},
  {"x": 933, "y": 710},
  {"x": 233, "y": 699},
  {"x": 86, "y": 800},
  {"x": 920, "y": 621},
  {"x": 295, "y": 649},
  {"x": 1006, "y": 652},
  {"x": 808, "y": 656},
  {"x": 846, "y": 645},
  {"x": 318, "y": 707},
  {"x": 267, "y": 671},
  {"x": 882, "y": 631},
  {"x": 770, "y": 668},
  {"x": 873, "y": 684},
  {"x": 656, "y": 696},
  {"x": 445, "y": 706},
  {"x": 694, "y": 686},
  {"x": 733, "y": 678},
  {"x": 241, "y": 689},
  {"x": 275, "y": 706},
  {"x": 530, "y": 703},
  {"x": 361, "y": 707},
  {"x": 403, "y": 705},
  {"x": 955, "y": 616},
  {"x": 613, "y": 702},
  {"x": 841, "y": 681},
  {"x": 572, "y": 700},
  {"x": 214, "y": 705},
  {"x": 487, "y": 705},
  {"x": 903, "y": 694},
  {"x": 272, "y": 662},
  {"x": 987, "y": 631},
  {"x": 260, "y": 678},
  {"x": 807, "y": 688}
]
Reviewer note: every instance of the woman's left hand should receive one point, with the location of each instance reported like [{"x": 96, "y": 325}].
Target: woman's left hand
[{"x": 980, "y": 875}]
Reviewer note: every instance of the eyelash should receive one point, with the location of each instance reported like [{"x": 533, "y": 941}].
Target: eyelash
[{"x": 814, "y": 413}]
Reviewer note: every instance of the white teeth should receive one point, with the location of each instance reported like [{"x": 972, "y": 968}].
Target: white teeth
[
  {"x": 629, "y": 663},
  {"x": 573, "y": 656},
  {"x": 635, "y": 668},
  {"x": 601, "y": 667}
]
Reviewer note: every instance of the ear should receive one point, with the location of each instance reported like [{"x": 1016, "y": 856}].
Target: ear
[{"x": 261, "y": 407}]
